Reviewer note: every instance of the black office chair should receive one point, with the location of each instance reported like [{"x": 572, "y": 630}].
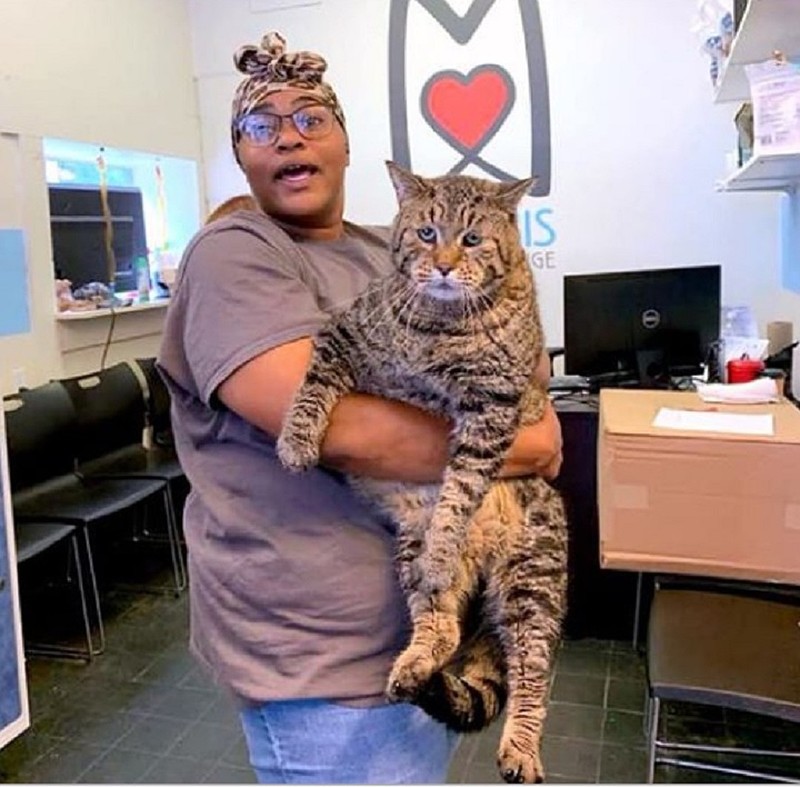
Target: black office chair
[
  {"x": 37, "y": 538},
  {"x": 42, "y": 434},
  {"x": 732, "y": 646},
  {"x": 112, "y": 420}
]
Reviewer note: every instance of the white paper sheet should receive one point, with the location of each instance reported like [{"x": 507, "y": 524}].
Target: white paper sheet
[{"x": 710, "y": 421}]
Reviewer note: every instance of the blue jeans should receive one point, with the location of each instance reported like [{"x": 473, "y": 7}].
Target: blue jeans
[{"x": 316, "y": 741}]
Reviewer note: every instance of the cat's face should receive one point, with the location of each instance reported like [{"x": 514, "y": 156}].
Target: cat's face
[{"x": 455, "y": 236}]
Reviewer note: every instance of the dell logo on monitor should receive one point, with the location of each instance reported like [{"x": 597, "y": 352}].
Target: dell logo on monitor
[{"x": 651, "y": 318}]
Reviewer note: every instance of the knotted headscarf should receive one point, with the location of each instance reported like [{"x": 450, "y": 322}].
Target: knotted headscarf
[{"x": 269, "y": 68}]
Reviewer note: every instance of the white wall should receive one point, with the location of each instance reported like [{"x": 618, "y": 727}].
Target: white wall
[
  {"x": 110, "y": 72},
  {"x": 637, "y": 144}
]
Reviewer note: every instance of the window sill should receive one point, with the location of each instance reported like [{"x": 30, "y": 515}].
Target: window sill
[{"x": 92, "y": 314}]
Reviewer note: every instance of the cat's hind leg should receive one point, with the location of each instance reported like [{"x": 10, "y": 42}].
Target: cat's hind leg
[
  {"x": 469, "y": 693},
  {"x": 436, "y": 617},
  {"x": 528, "y": 594},
  {"x": 435, "y": 637}
]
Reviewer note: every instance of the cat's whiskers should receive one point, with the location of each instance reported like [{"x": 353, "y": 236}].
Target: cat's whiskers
[
  {"x": 411, "y": 304},
  {"x": 385, "y": 309}
]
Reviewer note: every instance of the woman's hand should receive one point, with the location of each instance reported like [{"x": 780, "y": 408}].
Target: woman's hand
[{"x": 536, "y": 450}]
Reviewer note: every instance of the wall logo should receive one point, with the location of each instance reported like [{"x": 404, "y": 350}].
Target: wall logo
[
  {"x": 651, "y": 318},
  {"x": 467, "y": 109}
]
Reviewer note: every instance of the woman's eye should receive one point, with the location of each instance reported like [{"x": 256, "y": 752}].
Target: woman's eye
[
  {"x": 309, "y": 121},
  {"x": 471, "y": 238},
  {"x": 426, "y": 234}
]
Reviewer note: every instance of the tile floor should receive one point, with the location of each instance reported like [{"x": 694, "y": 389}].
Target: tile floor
[{"x": 143, "y": 712}]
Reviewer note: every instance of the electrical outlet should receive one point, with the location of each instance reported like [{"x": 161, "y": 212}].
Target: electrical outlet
[{"x": 18, "y": 377}]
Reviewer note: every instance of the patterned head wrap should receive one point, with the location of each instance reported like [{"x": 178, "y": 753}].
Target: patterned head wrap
[{"x": 269, "y": 68}]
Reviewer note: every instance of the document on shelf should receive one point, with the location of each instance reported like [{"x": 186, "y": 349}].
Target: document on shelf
[{"x": 711, "y": 421}]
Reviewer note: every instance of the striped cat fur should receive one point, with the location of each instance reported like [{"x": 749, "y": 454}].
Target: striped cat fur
[{"x": 482, "y": 560}]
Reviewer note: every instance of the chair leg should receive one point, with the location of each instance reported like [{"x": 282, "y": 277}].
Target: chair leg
[
  {"x": 637, "y": 612},
  {"x": 95, "y": 592},
  {"x": 42, "y": 649},
  {"x": 178, "y": 566},
  {"x": 87, "y": 623},
  {"x": 655, "y": 708}
]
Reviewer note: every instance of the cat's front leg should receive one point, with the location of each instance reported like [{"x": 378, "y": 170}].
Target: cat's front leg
[
  {"x": 328, "y": 378},
  {"x": 477, "y": 454}
]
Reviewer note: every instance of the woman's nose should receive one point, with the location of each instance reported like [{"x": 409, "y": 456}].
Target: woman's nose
[{"x": 288, "y": 136}]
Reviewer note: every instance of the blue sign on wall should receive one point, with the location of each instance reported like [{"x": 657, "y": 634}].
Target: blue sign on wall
[
  {"x": 14, "y": 307},
  {"x": 10, "y": 705}
]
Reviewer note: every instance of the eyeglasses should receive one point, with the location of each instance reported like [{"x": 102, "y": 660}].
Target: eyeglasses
[{"x": 263, "y": 128}]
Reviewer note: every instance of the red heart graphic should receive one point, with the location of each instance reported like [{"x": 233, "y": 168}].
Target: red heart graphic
[{"x": 469, "y": 108}]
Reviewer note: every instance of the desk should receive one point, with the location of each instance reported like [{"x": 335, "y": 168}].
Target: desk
[{"x": 600, "y": 602}]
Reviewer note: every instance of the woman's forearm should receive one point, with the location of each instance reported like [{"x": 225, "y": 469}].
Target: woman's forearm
[{"x": 380, "y": 438}]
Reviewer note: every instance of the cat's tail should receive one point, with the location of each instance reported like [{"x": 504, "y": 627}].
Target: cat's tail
[
  {"x": 463, "y": 704},
  {"x": 470, "y": 692}
]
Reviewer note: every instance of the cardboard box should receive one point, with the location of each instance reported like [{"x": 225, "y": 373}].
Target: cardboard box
[{"x": 703, "y": 503}]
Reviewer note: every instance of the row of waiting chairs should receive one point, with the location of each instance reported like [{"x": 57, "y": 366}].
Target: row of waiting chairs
[{"x": 80, "y": 451}]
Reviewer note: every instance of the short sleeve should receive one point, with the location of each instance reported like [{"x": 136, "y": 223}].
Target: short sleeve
[{"x": 240, "y": 294}]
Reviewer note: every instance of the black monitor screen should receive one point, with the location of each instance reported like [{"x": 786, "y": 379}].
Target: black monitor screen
[
  {"x": 77, "y": 231},
  {"x": 643, "y": 325}
]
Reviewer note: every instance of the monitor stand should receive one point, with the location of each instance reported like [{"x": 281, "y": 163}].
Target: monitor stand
[{"x": 652, "y": 369}]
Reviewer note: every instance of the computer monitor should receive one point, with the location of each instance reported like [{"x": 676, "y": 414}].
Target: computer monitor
[
  {"x": 641, "y": 326},
  {"x": 77, "y": 231}
]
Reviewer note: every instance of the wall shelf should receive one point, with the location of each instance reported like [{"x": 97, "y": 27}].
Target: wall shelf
[
  {"x": 766, "y": 172},
  {"x": 767, "y": 25}
]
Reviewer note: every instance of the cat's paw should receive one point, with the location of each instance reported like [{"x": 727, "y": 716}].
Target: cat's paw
[
  {"x": 518, "y": 765},
  {"x": 297, "y": 451},
  {"x": 409, "y": 676}
]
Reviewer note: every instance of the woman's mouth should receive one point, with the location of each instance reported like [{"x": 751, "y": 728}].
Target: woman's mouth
[{"x": 296, "y": 173}]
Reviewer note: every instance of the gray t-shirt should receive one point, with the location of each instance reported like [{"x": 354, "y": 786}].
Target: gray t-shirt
[{"x": 292, "y": 587}]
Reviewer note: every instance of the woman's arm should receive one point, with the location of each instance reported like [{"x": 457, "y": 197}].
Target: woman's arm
[{"x": 368, "y": 435}]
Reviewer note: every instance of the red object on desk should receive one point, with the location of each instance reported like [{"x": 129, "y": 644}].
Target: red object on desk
[{"x": 742, "y": 370}]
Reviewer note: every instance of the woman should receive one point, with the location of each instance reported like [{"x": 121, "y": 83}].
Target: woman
[{"x": 294, "y": 601}]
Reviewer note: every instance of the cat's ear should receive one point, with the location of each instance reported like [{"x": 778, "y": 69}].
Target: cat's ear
[
  {"x": 406, "y": 184},
  {"x": 512, "y": 192}
]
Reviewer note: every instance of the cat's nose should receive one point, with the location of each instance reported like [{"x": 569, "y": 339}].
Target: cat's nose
[{"x": 445, "y": 270}]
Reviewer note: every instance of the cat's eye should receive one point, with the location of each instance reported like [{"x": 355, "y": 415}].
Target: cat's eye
[
  {"x": 427, "y": 234},
  {"x": 471, "y": 238}
]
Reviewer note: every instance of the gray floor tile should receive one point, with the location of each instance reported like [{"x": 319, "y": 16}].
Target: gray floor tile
[
  {"x": 571, "y": 759},
  {"x": 117, "y": 766},
  {"x": 626, "y": 695},
  {"x": 176, "y": 770},
  {"x": 63, "y": 764},
  {"x": 23, "y": 751},
  {"x": 622, "y": 765},
  {"x": 627, "y": 665},
  {"x": 153, "y": 735},
  {"x": 579, "y": 689},
  {"x": 203, "y": 741},
  {"x": 101, "y": 729},
  {"x": 228, "y": 774},
  {"x": 166, "y": 670},
  {"x": 480, "y": 773},
  {"x": 583, "y": 661},
  {"x": 582, "y": 722},
  {"x": 236, "y": 755},
  {"x": 186, "y": 704},
  {"x": 623, "y": 728}
]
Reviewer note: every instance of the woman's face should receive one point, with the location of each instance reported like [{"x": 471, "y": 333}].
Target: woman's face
[{"x": 297, "y": 180}]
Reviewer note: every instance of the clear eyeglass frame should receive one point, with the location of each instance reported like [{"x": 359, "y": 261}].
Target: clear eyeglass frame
[{"x": 262, "y": 128}]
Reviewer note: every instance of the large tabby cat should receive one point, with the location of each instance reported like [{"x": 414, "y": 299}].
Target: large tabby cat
[{"x": 482, "y": 561}]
